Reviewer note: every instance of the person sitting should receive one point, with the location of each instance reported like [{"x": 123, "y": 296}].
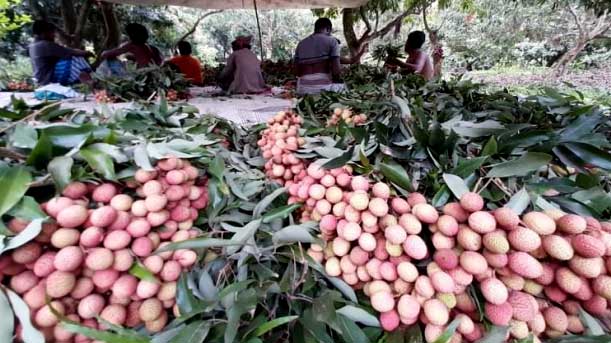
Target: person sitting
[
  {"x": 318, "y": 61},
  {"x": 53, "y": 63},
  {"x": 188, "y": 65},
  {"x": 136, "y": 49},
  {"x": 242, "y": 74},
  {"x": 418, "y": 62}
]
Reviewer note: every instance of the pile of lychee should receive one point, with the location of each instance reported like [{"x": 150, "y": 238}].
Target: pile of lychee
[
  {"x": 534, "y": 273},
  {"x": 347, "y": 116},
  {"x": 278, "y": 143},
  {"x": 81, "y": 260}
]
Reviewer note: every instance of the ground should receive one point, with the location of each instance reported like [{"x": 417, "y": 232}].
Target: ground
[{"x": 596, "y": 80}]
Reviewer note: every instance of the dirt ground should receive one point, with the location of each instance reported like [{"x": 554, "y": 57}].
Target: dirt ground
[{"x": 598, "y": 79}]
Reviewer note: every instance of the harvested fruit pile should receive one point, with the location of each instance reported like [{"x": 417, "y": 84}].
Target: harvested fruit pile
[
  {"x": 86, "y": 261},
  {"x": 444, "y": 215},
  {"x": 278, "y": 143},
  {"x": 534, "y": 272},
  {"x": 346, "y": 116}
]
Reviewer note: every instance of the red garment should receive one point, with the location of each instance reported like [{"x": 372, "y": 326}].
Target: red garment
[{"x": 190, "y": 67}]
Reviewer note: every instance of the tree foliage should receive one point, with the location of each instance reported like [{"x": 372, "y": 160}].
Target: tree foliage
[{"x": 10, "y": 17}]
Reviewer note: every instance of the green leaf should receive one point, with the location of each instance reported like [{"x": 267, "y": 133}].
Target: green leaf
[
  {"x": 217, "y": 167},
  {"x": 441, "y": 197},
  {"x": 60, "y": 169},
  {"x": 104, "y": 336},
  {"x": 246, "y": 301},
  {"x": 591, "y": 154},
  {"x": 490, "y": 148},
  {"x": 449, "y": 332},
  {"x": 280, "y": 213},
  {"x": 243, "y": 235},
  {"x": 529, "y": 162},
  {"x": 590, "y": 323},
  {"x": 466, "y": 167},
  {"x": 519, "y": 201},
  {"x": 186, "y": 301},
  {"x": 29, "y": 233},
  {"x": 28, "y": 209},
  {"x": 265, "y": 202},
  {"x": 24, "y": 136},
  {"x": 359, "y": 315},
  {"x": 142, "y": 273},
  {"x": 99, "y": 162},
  {"x": 295, "y": 233},
  {"x": 403, "y": 106},
  {"x": 456, "y": 184},
  {"x": 351, "y": 333},
  {"x": 495, "y": 334},
  {"x": 396, "y": 174},
  {"x": 195, "y": 332},
  {"x": 141, "y": 157},
  {"x": 42, "y": 153},
  {"x": 14, "y": 183},
  {"x": 339, "y": 161},
  {"x": 69, "y": 136},
  {"x": 272, "y": 324},
  {"x": 8, "y": 322},
  {"x": 29, "y": 333},
  {"x": 343, "y": 287},
  {"x": 197, "y": 243}
]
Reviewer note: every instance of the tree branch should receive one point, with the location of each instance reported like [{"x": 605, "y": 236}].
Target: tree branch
[
  {"x": 577, "y": 22},
  {"x": 82, "y": 19},
  {"x": 13, "y": 155},
  {"x": 196, "y": 24},
  {"x": 424, "y": 21},
  {"x": 365, "y": 20}
]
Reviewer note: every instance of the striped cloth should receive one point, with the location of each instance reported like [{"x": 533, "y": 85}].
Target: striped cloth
[
  {"x": 68, "y": 70},
  {"x": 316, "y": 83}
]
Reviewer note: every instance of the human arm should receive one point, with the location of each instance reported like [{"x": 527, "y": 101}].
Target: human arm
[
  {"x": 336, "y": 69},
  {"x": 354, "y": 59},
  {"x": 57, "y": 50},
  {"x": 116, "y": 52},
  {"x": 230, "y": 67}
]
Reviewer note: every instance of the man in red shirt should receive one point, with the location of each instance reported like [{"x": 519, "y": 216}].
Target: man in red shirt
[{"x": 188, "y": 65}]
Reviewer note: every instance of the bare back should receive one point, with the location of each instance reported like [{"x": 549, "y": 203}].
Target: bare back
[{"x": 422, "y": 61}]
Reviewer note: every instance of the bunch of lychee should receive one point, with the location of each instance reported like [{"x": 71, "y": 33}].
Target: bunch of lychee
[
  {"x": 278, "y": 143},
  {"x": 81, "y": 260},
  {"x": 373, "y": 243},
  {"x": 347, "y": 116},
  {"x": 534, "y": 272},
  {"x": 102, "y": 96}
]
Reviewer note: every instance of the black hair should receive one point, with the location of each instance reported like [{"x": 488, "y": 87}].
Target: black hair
[
  {"x": 322, "y": 24},
  {"x": 41, "y": 27},
  {"x": 415, "y": 40},
  {"x": 137, "y": 33},
  {"x": 184, "y": 48}
]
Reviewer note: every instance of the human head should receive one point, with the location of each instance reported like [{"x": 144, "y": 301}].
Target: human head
[
  {"x": 415, "y": 40},
  {"x": 43, "y": 30},
  {"x": 137, "y": 33},
  {"x": 184, "y": 48},
  {"x": 242, "y": 42},
  {"x": 323, "y": 25}
]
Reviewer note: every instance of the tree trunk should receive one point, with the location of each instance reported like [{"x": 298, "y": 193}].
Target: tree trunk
[
  {"x": 68, "y": 13},
  {"x": 569, "y": 57},
  {"x": 111, "y": 26},
  {"x": 436, "y": 48},
  {"x": 36, "y": 10},
  {"x": 348, "y": 22}
]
